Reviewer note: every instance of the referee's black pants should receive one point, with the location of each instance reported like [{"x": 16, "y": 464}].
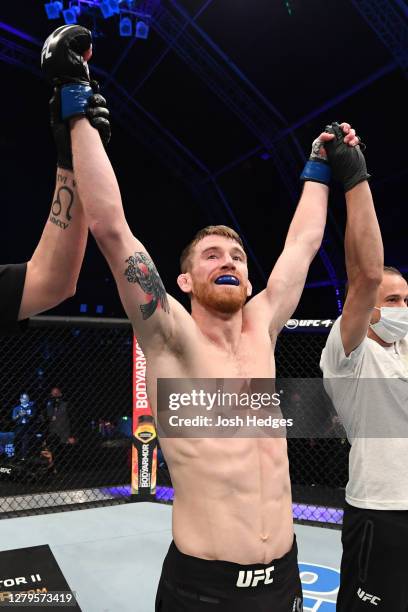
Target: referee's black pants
[{"x": 374, "y": 566}]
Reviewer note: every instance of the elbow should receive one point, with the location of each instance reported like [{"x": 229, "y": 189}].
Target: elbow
[
  {"x": 110, "y": 237},
  {"x": 314, "y": 247},
  {"x": 69, "y": 292},
  {"x": 60, "y": 294},
  {"x": 105, "y": 233},
  {"x": 308, "y": 243},
  {"x": 312, "y": 244},
  {"x": 315, "y": 240},
  {"x": 371, "y": 278},
  {"x": 97, "y": 229},
  {"x": 64, "y": 290}
]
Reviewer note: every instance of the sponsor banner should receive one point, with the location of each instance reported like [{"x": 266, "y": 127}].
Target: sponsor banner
[
  {"x": 308, "y": 408},
  {"x": 6, "y": 444},
  {"x": 144, "y": 439},
  {"x": 309, "y": 325},
  {"x": 31, "y": 579}
]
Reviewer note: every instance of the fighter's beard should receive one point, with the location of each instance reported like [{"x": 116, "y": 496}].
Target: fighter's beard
[{"x": 221, "y": 298}]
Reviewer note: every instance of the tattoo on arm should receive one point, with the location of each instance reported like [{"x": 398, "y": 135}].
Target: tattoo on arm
[
  {"x": 141, "y": 270},
  {"x": 62, "y": 204},
  {"x": 61, "y": 178}
]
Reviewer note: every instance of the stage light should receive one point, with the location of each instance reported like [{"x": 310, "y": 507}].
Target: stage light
[
  {"x": 142, "y": 30},
  {"x": 53, "y": 9},
  {"x": 125, "y": 26},
  {"x": 70, "y": 15},
  {"x": 83, "y": 308},
  {"x": 114, "y": 6},
  {"x": 106, "y": 10},
  {"x": 99, "y": 309}
]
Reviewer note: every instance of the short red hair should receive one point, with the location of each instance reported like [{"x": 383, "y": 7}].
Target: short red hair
[{"x": 210, "y": 230}]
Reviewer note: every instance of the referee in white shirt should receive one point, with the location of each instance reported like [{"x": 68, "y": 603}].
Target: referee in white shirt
[{"x": 369, "y": 342}]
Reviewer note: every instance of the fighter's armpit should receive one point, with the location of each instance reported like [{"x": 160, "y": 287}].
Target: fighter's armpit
[{"x": 141, "y": 270}]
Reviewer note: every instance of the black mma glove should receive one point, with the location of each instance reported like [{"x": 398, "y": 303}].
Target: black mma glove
[
  {"x": 74, "y": 93},
  {"x": 62, "y": 55},
  {"x": 347, "y": 163},
  {"x": 60, "y": 132},
  {"x": 63, "y": 63},
  {"x": 98, "y": 116}
]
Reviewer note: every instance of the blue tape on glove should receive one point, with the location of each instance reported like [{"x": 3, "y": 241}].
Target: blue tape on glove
[
  {"x": 316, "y": 171},
  {"x": 74, "y": 98}
]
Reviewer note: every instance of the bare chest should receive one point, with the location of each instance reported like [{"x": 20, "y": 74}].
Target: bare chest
[
  {"x": 253, "y": 359},
  {"x": 201, "y": 359}
]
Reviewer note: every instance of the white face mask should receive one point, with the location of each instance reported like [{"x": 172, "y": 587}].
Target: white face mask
[{"x": 393, "y": 323}]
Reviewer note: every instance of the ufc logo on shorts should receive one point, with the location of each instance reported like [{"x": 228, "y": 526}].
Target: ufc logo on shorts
[
  {"x": 372, "y": 599},
  {"x": 297, "y": 605},
  {"x": 251, "y": 578}
]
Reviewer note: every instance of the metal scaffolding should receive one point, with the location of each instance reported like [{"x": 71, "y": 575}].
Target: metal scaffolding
[
  {"x": 260, "y": 118},
  {"x": 389, "y": 25},
  {"x": 128, "y": 113}
]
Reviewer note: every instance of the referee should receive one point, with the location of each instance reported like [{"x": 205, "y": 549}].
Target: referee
[{"x": 369, "y": 341}]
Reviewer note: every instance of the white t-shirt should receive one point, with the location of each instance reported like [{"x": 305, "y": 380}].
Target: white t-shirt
[{"x": 378, "y": 466}]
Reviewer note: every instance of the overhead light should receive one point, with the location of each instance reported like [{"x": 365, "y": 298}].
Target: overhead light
[
  {"x": 71, "y": 15},
  {"x": 114, "y": 5},
  {"x": 53, "y": 9},
  {"x": 142, "y": 30},
  {"x": 106, "y": 9},
  {"x": 125, "y": 26}
]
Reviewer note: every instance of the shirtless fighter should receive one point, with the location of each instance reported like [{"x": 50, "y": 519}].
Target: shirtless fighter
[{"x": 234, "y": 547}]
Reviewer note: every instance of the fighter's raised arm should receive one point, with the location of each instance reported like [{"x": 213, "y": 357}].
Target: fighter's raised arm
[
  {"x": 153, "y": 313},
  {"x": 285, "y": 285}
]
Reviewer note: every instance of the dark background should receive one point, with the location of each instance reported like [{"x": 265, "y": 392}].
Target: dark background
[{"x": 196, "y": 108}]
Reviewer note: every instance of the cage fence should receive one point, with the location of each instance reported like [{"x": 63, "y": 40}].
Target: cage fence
[{"x": 66, "y": 421}]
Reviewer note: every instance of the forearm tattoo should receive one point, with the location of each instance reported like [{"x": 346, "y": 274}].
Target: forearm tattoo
[
  {"x": 141, "y": 270},
  {"x": 61, "y": 209}
]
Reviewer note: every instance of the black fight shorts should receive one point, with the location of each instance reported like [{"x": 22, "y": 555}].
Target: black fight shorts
[
  {"x": 374, "y": 566},
  {"x": 190, "y": 584}
]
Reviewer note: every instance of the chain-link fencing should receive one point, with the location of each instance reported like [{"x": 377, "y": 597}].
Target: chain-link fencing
[
  {"x": 69, "y": 442},
  {"x": 318, "y": 466},
  {"x": 65, "y": 413}
]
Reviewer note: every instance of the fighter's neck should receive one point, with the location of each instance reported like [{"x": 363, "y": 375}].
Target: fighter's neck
[{"x": 223, "y": 330}]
